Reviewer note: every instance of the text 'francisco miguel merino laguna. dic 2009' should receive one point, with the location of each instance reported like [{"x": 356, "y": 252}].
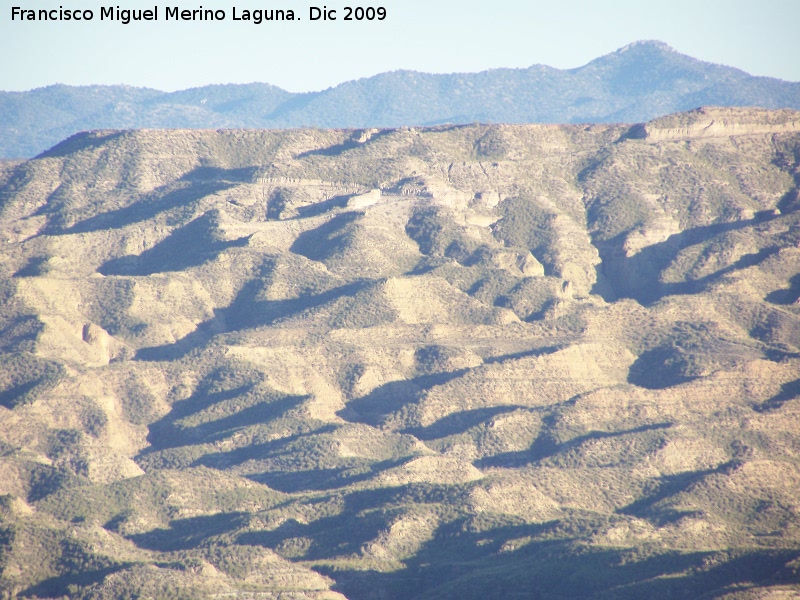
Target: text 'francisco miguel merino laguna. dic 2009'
[{"x": 176, "y": 13}]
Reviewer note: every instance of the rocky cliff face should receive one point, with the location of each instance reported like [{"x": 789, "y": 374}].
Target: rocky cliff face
[{"x": 454, "y": 361}]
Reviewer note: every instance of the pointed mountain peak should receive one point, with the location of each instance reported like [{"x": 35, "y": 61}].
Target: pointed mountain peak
[
  {"x": 643, "y": 51},
  {"x": 647, "y": 45},
  {"x": 660, "y": 61}
]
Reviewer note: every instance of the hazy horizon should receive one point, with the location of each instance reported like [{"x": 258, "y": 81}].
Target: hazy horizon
[{"x": 444, "y": 37}]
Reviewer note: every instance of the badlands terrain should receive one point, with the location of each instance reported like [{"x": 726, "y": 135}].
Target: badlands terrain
[{"x": 507, "y": 361}]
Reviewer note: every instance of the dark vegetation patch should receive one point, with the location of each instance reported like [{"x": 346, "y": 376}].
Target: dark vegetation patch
[{"x": 25, "y": 377}]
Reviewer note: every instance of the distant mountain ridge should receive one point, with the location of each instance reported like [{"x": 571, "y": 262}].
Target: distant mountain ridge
[{"x": 636, "y": 83}]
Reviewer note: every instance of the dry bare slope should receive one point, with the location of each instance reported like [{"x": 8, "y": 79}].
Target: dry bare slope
[{"x": 476, "y": 361}]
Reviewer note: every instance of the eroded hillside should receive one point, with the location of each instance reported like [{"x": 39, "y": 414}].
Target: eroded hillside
[{"x": 473, "y": 361}]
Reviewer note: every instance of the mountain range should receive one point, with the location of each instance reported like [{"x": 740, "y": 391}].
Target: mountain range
[{"x": 637, "y": 83}]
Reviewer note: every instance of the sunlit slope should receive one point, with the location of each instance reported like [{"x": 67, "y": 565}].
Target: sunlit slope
[{"x": 478, "y": 361}]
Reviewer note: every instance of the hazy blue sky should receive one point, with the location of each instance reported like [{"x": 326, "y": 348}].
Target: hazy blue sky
[{"x": 760, "y": 37}]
